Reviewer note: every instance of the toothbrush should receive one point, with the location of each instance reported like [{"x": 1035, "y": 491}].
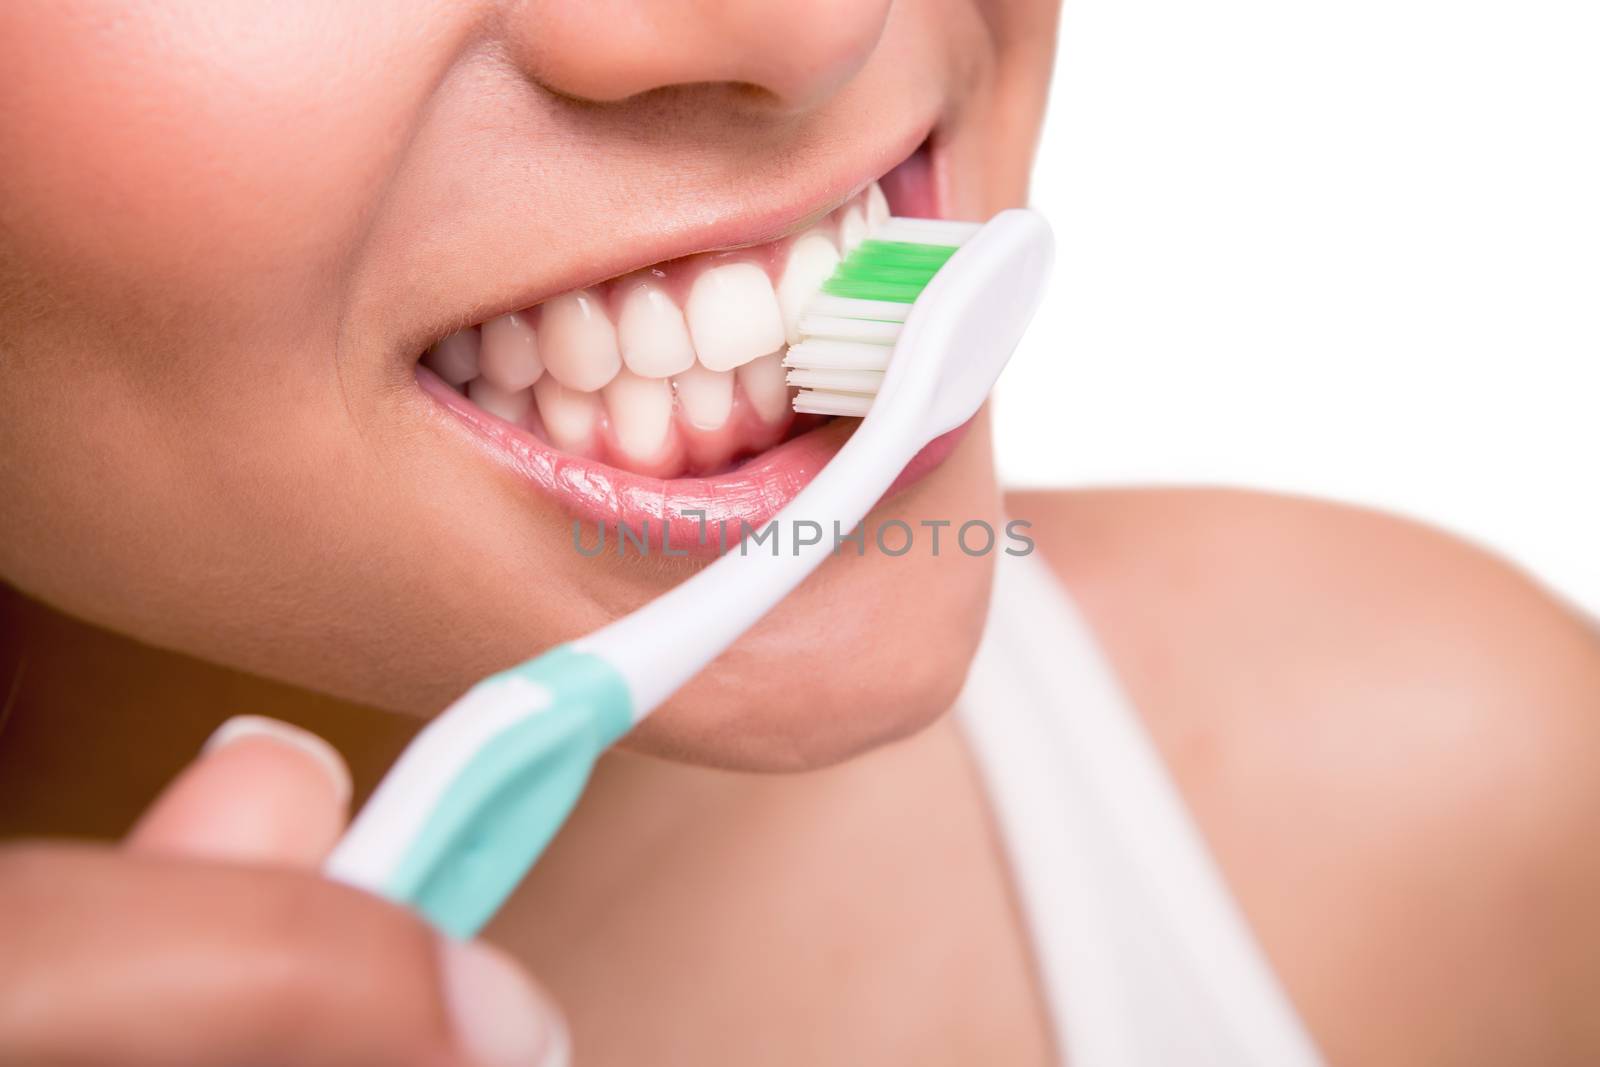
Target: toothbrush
[{"x": 474, "y": 800}]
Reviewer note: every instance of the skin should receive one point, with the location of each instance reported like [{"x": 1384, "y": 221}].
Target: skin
[
  {"x": 389, "y": 176},
  {"x": 1391, "y": 741},
  {"x": 225, "y": 238}
]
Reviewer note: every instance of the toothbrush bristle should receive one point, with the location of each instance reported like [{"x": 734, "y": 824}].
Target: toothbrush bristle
[{"x": 848, "y": 331}]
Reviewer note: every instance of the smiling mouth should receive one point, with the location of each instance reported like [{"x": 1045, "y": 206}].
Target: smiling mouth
[{"x": 662, "y": 391}]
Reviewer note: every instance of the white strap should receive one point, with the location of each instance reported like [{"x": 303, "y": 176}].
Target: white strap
[{"x": 1143, "y": 954}]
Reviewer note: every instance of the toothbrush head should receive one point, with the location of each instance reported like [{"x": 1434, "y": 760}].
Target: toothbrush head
[{"x": 959, "y": 289}]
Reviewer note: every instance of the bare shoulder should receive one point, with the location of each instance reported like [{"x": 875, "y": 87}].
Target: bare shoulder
[{"x": 1392, "y": 742}]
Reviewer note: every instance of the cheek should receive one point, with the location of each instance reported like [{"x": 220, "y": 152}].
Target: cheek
[
  {"x": 181, "y": 188},
  {"x": 206, "y": 154}
]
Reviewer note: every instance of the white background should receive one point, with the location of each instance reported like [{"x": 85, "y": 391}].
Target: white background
[{"x": 1341, "y": 247}]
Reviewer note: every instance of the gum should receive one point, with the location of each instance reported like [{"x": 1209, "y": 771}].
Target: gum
[{"x": 677, "y": 276}]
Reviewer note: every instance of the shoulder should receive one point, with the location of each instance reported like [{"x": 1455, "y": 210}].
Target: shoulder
[{"x": 1391, "y": 740}]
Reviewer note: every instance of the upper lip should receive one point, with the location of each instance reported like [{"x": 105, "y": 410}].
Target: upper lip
[{"x": 728, "y": 224}]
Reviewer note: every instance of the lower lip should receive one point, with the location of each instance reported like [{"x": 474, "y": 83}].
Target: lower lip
[{"x": 654, "y": 508}]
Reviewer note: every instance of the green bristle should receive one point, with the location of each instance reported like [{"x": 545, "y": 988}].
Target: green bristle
[
  {"x": 893, "y": 292},
  {"x": 866, "y": 272},
  {"x": 894, "y": 271},
  {"x": 903, "y": 252}
]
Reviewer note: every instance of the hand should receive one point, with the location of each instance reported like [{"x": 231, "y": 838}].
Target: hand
[{"x": 209, "y": 938}]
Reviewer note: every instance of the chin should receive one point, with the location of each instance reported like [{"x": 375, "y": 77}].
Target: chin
[{"x": 870, "y": 650}]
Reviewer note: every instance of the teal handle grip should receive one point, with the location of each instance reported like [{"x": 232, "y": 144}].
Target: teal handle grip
[{"x": 503, "y": 808}]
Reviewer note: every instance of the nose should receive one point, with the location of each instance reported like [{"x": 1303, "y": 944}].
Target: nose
[{"x": 798, "y": 52}]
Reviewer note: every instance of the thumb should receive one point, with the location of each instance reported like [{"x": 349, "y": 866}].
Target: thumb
[
  {"x": 261, "y": 791},
  {"x": 264, "y": 792}
]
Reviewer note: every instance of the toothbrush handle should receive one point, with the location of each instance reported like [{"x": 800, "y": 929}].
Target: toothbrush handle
[
  {"x": 474, "y": 800},
  {"x": 476, "y": 797}
]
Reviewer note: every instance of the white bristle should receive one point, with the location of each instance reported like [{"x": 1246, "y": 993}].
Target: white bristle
[
  {"x": 817, "y": 402},
  {"x": 837, "y": 355},
  {"x": 843, "y": 381},
  {"x": 925, "y": 231},
  {"x": 844, "y": 307},
  {"x": 832, "y": 328},
  {"x": 845, "y": 344}
]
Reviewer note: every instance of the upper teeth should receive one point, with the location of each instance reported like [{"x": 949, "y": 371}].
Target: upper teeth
[
  {"x": 578, "y": 342},
  {"x": 654, "y": 340},
  {"x": 733, "y": 316},
  {"x": 510, "y": 354},
  {"x": 852, "y": 228},
  {"x": 811, "y": 261},
  {"x": 661, "y": 345}
]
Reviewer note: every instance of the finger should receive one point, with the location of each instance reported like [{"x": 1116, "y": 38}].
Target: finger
[
  {"x": 139, "y": 960},
  {"x": 261, "y": 791}
]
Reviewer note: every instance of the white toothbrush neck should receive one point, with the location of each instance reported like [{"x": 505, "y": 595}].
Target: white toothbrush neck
[{"x": 662, "y": 645}]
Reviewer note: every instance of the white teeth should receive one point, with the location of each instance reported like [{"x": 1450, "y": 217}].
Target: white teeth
[
  {"x": 652, "y": 334},
  {"x": 510, "y": 355},
  {"x": 641, "y": 413},
  {"x": 625, "y": 384},
  {"x": 455, "y": 359},
  {"x": 811, "y": 260},
  {"x": 733, "y": 315},
  {"x": 706, "y": 396},
  {"x": 508, "y": 404},
  {"x": 765, "y": 386},
  {"x": 570, "y": 417},
  {"x": 877, "y": 207},
  {"x": 577, "y": 341},
  {"x": 852, "y": 229}
]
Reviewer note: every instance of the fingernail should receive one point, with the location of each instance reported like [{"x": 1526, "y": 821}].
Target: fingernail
[
  {"x": 499, "y": 1016},
  {"x": 241, "y": 727}
]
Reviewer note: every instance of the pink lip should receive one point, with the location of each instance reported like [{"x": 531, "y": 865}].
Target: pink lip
[{"x": 654, "y": 507}]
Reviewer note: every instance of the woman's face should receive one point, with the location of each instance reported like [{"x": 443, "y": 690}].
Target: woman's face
[{"x": 233, "y": 235}]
